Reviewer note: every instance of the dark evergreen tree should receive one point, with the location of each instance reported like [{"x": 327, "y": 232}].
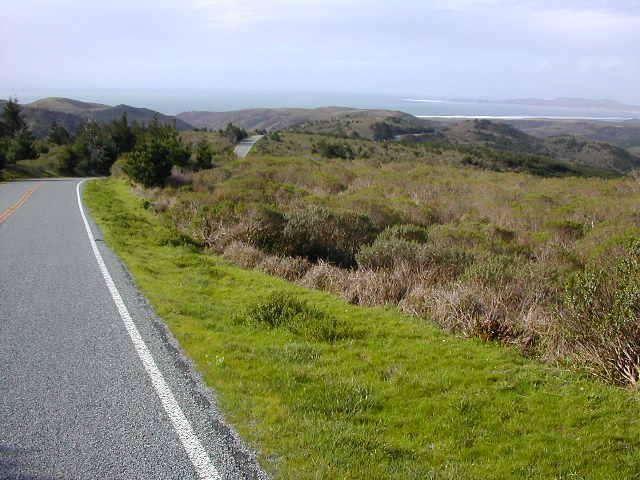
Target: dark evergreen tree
[
  {"x": 122, "y": 134},
  {"x": 58, "y": 135},
  {"x": 12, "y": 118},
  {"x": 21, "y": 146},
  {"x": 204, "y": 155}
]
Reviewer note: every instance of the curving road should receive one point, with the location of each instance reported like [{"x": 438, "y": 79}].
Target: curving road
[
  {"x": 244, "y": 146},
  {"x": 92, "y": 386}
]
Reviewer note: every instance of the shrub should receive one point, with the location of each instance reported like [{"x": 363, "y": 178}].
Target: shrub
[
  {"x": 68, "y": 160},
  {"x": 335, "y": 150},
  {"x": 149, "y": 164},
  {"x": 281, "y": 310},
  {"x": 318, "y": 233},
  {"x": 388, "y": 252},
  {"x": 410, "y": 233},
  {"x": 289, "y": 268},
  {"x": 324, "y": 276},
  {"x": 601, "y": 321},
  {"x": 204, "y": 155},
  {"x": 243, "y": 255},
  {"x": 381, "y": 287},
  {"x": 264, "y": 227}
]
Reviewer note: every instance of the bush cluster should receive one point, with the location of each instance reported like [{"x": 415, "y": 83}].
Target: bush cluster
[{"x": 281, "y": 310}]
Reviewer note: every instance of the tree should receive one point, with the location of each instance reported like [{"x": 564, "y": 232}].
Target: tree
[
  {"x": 122, "y": 134},
  {"x": 150, "y": 163},
  {"x": 235, "y": 134},
  {"x": 382, "y": 131},
  {"x": 68, "y": 160},
  {"x": 204, "y": 155},
  {"x": 21, "y": 146},
  {"x": 12, "y": 118},
  {"x": 3, "y": 152},
  {"x": 58, "y": 135},
  {"x": 96, "y": 147}
]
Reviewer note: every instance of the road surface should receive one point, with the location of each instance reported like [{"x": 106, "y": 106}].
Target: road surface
[
  {"x": 93, "y": 387},
  {"x": 244, "y": 147}
]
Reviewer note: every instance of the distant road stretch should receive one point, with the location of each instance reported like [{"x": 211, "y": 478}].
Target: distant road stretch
[
  {"x": 92, "y": 385},
  {"x": 244, "y": 147}
]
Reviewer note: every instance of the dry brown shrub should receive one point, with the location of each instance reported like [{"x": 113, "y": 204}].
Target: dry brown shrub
[
  {"x": 324, "y": 276},
  {"x": 243, "y": 255},
  {"x": 614, "y": 360},
  {"x": 472, "y": 310},
  {"x": 380, "y": 287},
  {"x": 289, "y": 268}
]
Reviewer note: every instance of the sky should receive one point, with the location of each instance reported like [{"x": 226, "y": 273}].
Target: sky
[{"x": 433, "y": 49}]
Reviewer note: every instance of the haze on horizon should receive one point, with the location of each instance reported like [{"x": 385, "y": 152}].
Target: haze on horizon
[{"x": 471, "y": 48}]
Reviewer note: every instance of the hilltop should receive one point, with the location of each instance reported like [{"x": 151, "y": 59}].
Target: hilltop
[
  {"x": 341, "y": 121},
  {"x": 72, "y": 114},
  {"x": 506, "y": 137}
]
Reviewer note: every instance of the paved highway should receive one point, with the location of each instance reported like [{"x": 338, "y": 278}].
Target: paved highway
[
  {"x": 92, "y": 384},
  {"x": 244, "y": 147}
]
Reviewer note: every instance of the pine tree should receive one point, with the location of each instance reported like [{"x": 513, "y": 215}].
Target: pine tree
[{"x": 12, "y": 118}]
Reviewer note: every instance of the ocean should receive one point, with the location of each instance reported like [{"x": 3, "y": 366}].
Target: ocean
[{"x": 173, "y": 101}]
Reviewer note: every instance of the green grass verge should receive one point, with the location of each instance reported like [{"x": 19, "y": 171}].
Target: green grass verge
[{"x": 401, "y": 399}]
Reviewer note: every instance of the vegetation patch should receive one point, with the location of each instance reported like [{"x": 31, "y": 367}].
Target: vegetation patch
[
  {"x": 281, "y": 310},
  {"x": 403, "y": 400}
]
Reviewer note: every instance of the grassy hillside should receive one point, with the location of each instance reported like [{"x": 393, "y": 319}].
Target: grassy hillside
[
  {"x": 622, "y": 134},
  {"x": 484, "y": 249},
  {"x": 502, "y": 136},
  {"x": 319, "y": 120},
  {"x": 476, "y": 154},
  {"x": 325, "y": 389},
  {"x": 72, "y": 114},
  {"x": 383, "y": 124},
  {"x": 67, "y": 105}
]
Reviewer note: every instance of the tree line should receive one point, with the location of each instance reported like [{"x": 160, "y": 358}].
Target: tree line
[{"x": 149, "y": 152}]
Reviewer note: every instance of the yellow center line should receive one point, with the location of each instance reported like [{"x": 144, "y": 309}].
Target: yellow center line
[{"x": 11, "y": 210}]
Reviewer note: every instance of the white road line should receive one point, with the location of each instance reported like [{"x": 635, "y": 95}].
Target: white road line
[{"x": 196, "y": 452}]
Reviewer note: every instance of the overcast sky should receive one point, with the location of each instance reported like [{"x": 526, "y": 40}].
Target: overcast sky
[{"x": 480, "y": 48}]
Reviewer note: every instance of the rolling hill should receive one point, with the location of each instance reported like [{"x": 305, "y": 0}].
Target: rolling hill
[
  {"x": 72, "y": 114},
  {"x": 502, "y": 136},
  {"x": 334, "y": 120}
]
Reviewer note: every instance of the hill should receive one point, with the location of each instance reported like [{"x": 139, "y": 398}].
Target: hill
[
  {"x": 622, "y": 134},
  {"x": 506, "y": 137},
  {"x": 72, "y": 114},
  {"x": 339, "y": 121},
  {"x": 67, "y": 105}
]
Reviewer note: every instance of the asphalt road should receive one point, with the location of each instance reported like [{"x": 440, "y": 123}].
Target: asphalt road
[
  {"x": 78, "y": 397},
  {"x": 244, "y": 147}
]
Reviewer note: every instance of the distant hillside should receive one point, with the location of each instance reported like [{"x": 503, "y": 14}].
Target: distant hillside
[
  {"x": 505, "y": 137},
  {"x": 66, "y": 105},
  {"x": 603, "y": 105},
  {"x": 72, "y": 114},
  {"x": 334, "y": 120},
  {"x": 622, "y": 134}
]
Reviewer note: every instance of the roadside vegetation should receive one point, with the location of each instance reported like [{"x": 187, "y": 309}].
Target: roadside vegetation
[
  {"x": 323, "y": 388},
  {"x": 547, "y": 265},
  {"x": 149, "y": 152}
]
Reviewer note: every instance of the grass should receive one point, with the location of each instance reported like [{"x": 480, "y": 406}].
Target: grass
[
  {"x": 401, "y": 399},
  {"x": 45, "y": 166}
]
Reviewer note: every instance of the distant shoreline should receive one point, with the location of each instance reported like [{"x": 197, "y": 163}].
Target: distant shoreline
[{"x": 525, "y": 117}]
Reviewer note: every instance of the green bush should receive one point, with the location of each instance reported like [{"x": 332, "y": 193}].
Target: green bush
[
  {"x": 389, "y": 252},
  {"x": 334, "y": 150},
  {"x": 149, "y": 164},
  {"x": 398, "y": 244},
  {"x": 602, "y": 317},
  {"x": 318, "y": 233},
  {"x": 410, "y": 233},
  {"x": 281, "y": 310},
  {"x": 265, "y": 227}
]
